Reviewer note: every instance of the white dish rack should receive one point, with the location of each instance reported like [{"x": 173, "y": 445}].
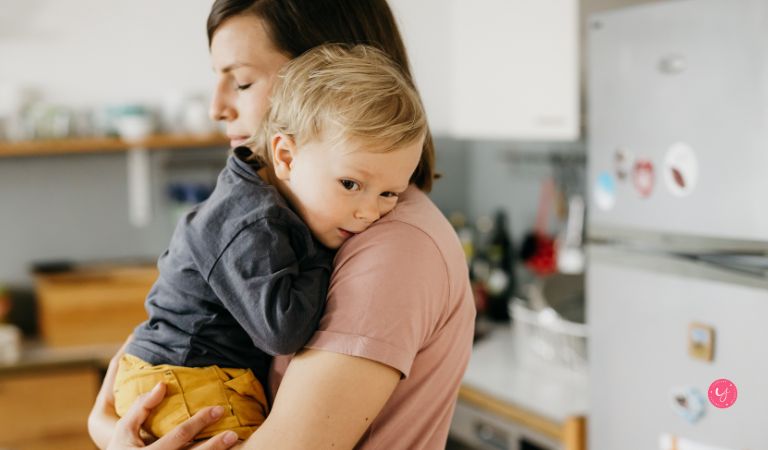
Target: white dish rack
[{"x": 545, "y": 336}]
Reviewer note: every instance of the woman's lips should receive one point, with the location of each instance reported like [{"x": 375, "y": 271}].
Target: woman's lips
[{"x": 237, "y": 141}]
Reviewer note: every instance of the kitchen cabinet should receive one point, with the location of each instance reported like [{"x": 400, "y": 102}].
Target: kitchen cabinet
[
  {"x": 495, "y": 69},
  {"x": 47, "y": 411},
  {"x": 425, "y": 26}
]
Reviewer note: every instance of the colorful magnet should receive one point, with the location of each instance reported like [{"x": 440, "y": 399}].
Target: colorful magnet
[
  {"x": 622, "y": 163},
  {"x": 701, "y": 341},
  {"x": 605, "y": 191},
  {"x": 722, "y": 393},
  {"x": 689, "y": 403},
  {"x": 681, "y": 169},
  {"x": 643, "y": 177}
]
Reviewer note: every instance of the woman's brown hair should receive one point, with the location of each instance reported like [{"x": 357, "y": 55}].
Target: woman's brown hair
[{"x": 296, "y": 26}]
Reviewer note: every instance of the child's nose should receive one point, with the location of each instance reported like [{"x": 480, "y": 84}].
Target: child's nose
[{"x": 368, "y": 211}]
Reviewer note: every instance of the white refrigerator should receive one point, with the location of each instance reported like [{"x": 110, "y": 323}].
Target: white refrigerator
[{"x": 677, "y": 285}]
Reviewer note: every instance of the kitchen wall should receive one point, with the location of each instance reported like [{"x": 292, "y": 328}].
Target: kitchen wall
[
  {"x": 75, "y": 207},
  {"x": 90, "y": 52}
]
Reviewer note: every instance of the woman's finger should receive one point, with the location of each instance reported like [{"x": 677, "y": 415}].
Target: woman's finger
[
  {"x": 221, "y": 441},
  {"x": 132, "y": 421},
  {"x": 184, "y": 433}
]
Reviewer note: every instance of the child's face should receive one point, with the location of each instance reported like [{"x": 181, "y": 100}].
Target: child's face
[{"x": 340, "y": 188}]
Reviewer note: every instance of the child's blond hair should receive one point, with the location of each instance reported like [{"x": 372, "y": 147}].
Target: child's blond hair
[{"x": 351, "y": 91}]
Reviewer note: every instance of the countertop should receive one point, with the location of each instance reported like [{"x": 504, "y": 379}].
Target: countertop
[
  {"x": 498, "y": 370},
  {"x": 35, "y": 356}
]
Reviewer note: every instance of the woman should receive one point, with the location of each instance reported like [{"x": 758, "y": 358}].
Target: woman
[{"x": 384, "y": 367}]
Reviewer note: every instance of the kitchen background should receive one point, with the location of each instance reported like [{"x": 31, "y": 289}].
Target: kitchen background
[
  {"x": 75, "y": 207},
  {"x": 505, "y": 84}
]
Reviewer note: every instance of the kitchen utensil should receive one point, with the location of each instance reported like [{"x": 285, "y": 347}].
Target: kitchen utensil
[
  {"x": 10, "y": 344},
  {"x": 538, "y": 249},
  {"x": 570, "y": 255}
]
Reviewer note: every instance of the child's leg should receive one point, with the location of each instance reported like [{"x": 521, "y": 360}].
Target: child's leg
[{"x": 189, "y": 389}]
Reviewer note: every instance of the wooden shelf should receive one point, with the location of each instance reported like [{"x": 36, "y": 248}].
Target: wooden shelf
[{"x": 103, "y": 145}]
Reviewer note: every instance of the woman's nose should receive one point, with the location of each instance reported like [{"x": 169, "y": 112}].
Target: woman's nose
[{"x": 221, "y": 106}]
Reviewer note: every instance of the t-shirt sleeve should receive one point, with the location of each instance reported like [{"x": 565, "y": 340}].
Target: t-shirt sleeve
[
  {"x": 273, "y": 294},
  {"x": 385, "y": 296}
]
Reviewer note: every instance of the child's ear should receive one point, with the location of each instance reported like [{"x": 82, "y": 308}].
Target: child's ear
[{"x": 282, "y": 151}]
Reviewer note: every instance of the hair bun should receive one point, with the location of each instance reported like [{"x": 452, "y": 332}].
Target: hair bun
[{"x": 242, "y": 152}]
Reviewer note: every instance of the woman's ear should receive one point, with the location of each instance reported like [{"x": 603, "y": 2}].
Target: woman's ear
[{"x": 282, "y": 151}]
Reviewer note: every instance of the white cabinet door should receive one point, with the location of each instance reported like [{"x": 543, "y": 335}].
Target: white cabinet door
[
  {"x": 426, "y": 29},
  {"x": 495, "y": 69},
  {"x": 515, "y": 69}
]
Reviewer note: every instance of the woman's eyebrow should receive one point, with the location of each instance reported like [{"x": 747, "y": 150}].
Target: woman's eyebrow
[{"x": 236, "y": 65}]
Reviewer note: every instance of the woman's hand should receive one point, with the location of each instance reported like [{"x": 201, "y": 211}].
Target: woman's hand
[
  {"x": 127, "y": 430},
  {"x": 103, "y": 418},
  {"x": 109, "y": 431}
]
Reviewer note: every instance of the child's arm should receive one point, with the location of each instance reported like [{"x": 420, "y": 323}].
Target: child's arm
[{"x": 276, "y": 297}]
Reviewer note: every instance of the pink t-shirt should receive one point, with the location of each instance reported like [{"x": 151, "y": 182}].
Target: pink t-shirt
[{"x": 400, "y": 295}]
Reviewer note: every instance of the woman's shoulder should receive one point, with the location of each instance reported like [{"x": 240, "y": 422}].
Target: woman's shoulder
[
  {"x": 415, "y": 233},
  {"x": 417, "y": 218}
]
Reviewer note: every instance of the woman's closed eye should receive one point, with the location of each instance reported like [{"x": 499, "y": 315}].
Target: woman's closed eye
[
  {"x": 350, "y": 185},
  {"x": 242, "y": 87}
]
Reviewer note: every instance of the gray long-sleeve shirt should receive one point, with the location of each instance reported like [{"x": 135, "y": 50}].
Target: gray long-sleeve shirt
[{"x": 242, "y": 279}]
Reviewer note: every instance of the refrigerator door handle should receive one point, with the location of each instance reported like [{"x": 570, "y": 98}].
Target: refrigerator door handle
[
  {"x": 749, "y": 269},
  {"x": 750, "y": 265}
]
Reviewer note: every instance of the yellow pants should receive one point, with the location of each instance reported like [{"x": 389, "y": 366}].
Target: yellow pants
[{"x": 188, "y": 390}]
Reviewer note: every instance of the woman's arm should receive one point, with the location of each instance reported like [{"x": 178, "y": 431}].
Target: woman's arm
[
  {"x": 103, "y": 418},
  {"x": 326, "y": 400}
]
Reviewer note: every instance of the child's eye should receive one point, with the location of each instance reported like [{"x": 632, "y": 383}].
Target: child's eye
[
  {"x": 350, "y": 185},
  {"x": 389, "y": 194},
  {"x": 242, "y": 87}
]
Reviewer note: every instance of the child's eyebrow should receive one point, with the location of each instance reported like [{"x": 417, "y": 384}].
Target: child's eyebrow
[{"x": 362, "y": 172}]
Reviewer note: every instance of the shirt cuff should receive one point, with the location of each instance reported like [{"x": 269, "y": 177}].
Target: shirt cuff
[{"x": 363, "y": 347}]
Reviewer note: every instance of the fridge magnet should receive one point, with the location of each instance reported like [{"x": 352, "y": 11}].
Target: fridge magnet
[
  {"x": 701, "y": 341},
  {"x": 681, "y": 169},
  {"x": 643, "y": 177},
  {"x": 689, "y": 403},
  {"x": 605, "y": 191},
  {"x": 722, "y": 393},
  {"x": 622, "y": 163}
]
